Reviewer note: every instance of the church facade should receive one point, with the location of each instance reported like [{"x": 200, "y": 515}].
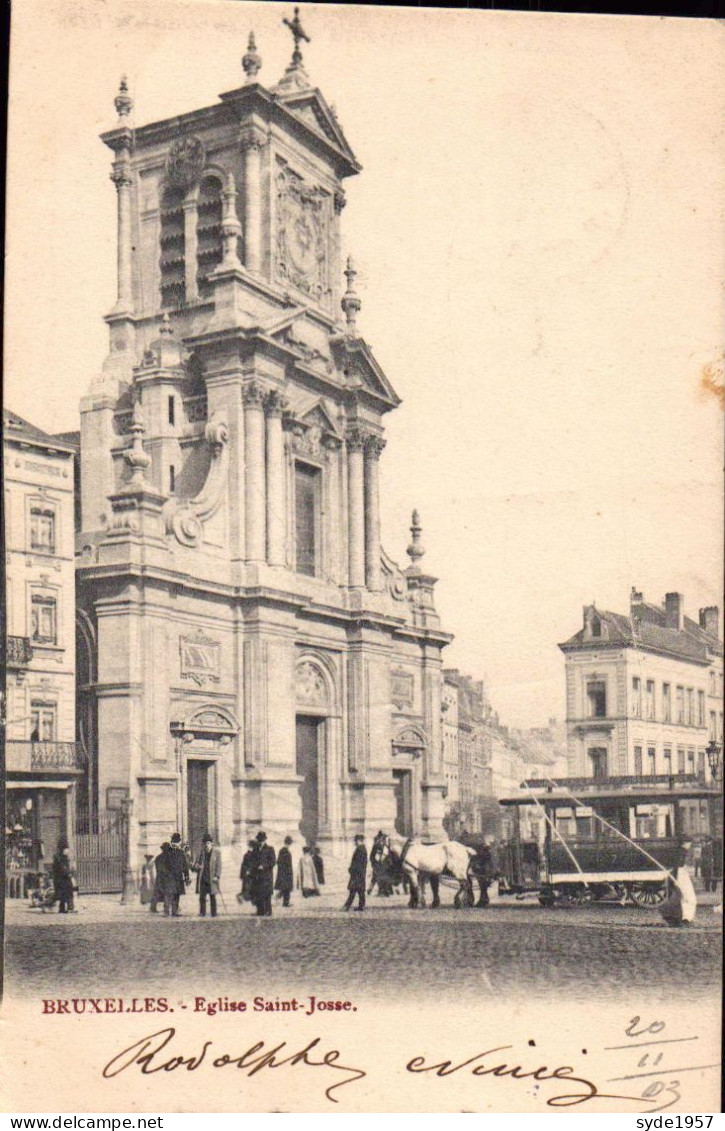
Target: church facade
[{"x": 249, "y": 657}]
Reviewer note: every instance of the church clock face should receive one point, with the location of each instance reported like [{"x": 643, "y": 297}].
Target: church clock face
[{"x": 302, "y": 236}]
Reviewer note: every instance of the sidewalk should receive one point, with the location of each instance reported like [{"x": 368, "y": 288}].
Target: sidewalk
[{"x": 108, "y": 908}]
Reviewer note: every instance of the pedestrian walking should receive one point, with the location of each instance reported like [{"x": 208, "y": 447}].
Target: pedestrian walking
[
  {"x": 696, "y": 858},
  {"x": 263, "y": 876},
  {"x": 679, "y": 908},
  {"x": 378, "y": 863},
  {"x": 147, "y": 879},
  {"x": 164, "y": 879},
  {"x": 307, "y": 874},
  {"x": 358, "y": 870},
  {"x": 707, "y": 862},
  {"x": 208, "y": 868},
  {"x": 246, "y": 872},
  {"x": 62, "y": 870},
  {"x": 179, "y": 869},
  {"x": 319, "y": 865},
  {"x": 285, "y": 880},
  {"x": 716, "y": 863}
]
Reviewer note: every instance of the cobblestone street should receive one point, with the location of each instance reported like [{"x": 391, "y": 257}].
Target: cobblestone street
[{"x": 513, "y": 949}]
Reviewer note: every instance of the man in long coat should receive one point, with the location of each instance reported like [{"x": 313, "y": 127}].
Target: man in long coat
[
  {"x": 164, "y": 882},
  {"x": 63, "y": 878},
  {"x": 285, "y": 874},
  {"x": 208, "y": 868},
  {"x": 358, "y": 871},
  {"x": 263, "y": 878},
  {"x": 179, "y": 870}
]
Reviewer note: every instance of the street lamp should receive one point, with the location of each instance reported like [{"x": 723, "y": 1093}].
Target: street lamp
[{"x": 713, "y": 759}]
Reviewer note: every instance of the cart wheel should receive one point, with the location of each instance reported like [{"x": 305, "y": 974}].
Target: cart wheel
[
  {"x": 647, "y": 895},
  {"x": 547, "y": 897}
]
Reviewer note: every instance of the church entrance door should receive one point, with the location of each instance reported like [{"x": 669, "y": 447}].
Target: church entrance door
[
  {"x": 199, "y": 801},
  {"x": 308, "y": 767},
  {"x": 403, "y": 802}
]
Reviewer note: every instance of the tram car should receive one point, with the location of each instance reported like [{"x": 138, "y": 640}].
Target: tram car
[{"x": 616, "y": 839}]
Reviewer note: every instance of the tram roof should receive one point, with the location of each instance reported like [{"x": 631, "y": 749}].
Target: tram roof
[{"x": 631, "y": 795}]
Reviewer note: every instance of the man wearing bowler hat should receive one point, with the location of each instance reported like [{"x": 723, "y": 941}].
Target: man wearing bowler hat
[
  {"x": 263, "y": 876},
  {"x": 358, "y": 869},
  {"x": 208, "y": 868}
]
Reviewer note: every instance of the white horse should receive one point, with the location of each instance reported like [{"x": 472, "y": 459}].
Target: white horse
[{"x": 428, "y": 861}]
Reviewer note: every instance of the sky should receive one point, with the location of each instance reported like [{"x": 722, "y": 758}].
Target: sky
[{"x": 538, "y": 229}]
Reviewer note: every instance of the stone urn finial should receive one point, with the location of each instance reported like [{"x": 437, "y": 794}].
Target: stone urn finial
[
  {"x": 416, "y": 548},
  {"x": 135, "y": 456},
  {"x": 251, "y": 62},
  {"x": 350, "y": 302},
  {"x": 123, "y": 100}
]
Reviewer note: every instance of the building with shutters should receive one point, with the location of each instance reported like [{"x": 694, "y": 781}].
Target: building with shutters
[
  {"x": 43, "y": 762},
  {"x": 644, "y": 698},
  {"x": 252, "y": 658}
]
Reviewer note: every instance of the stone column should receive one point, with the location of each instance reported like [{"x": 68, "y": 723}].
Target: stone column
[
  {"x": 276, "y": 524},
  {"x": 121, "y": 177},
  {"x": 190, "y": 242},
  {"x": 252, "y": 142},
  {"x": 356, "y": 506},
  {"x": 231, "y": 228},
  {"x": 253, "y": 396},
  {"x": 373, "y": 450}
]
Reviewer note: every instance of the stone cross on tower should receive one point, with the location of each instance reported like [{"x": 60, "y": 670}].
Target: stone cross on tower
[{"x": 298, "y": 34}]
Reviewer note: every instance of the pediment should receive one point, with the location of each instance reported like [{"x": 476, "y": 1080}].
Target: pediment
[
  {"x": 360, "y": 370},
  {"x": 319, "y": 417},
  {"x": 311, "y": 108}
]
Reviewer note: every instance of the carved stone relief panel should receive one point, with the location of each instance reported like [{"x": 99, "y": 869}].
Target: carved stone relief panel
[
  {"x": 302, "y": 253},
  {"x": 402, "y": 689},
  {"x": 310, "y": 686},
  {"x": 200, "y": 658}
]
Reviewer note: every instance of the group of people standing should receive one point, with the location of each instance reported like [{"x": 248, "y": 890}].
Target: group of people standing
[
  {"x": 257, "y": 873},
  {"x": 172, "y": 874}
]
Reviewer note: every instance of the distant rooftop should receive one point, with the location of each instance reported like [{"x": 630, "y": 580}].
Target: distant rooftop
[{"x": 17, "y": 428}]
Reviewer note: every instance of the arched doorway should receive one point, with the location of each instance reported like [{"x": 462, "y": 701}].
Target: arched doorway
[
  {"x": 314, "y": 698},
  {"x": 408, "y": 747},
  {"x": 201, "y": 741}
]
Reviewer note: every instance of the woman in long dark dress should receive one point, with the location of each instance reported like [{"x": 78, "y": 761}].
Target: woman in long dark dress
[
  {"x": 285, "y": 882},
  {"x": 247, "y": 871}
]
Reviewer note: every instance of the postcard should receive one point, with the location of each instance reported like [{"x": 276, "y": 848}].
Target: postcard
[{"x": 363, "y": 520}]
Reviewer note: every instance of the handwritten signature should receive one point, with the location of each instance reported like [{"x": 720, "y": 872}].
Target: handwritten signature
[
  {"x": 146, "y": 1054},
  {"x": 152, "y": 1054}
]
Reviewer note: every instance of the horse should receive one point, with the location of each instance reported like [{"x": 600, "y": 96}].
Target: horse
[{"x": 429, "y": 861}]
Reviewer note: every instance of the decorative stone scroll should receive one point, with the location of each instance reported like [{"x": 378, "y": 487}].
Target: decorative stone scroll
[
  {"x": 310, "y": 686},
  {"x": 200, "y": 659},
  {"x": 186, "y": 520},
  {"x": 393, "y": 578}
]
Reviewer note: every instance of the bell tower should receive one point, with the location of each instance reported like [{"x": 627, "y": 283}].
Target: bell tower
[{"x": 247, "y": 616}]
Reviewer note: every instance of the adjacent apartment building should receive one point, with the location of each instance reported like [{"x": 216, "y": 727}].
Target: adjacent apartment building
[
  {"x": 43, "y": 760},
  {"x": 644, "y": 694}
]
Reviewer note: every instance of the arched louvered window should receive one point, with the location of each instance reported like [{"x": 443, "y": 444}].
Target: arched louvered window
[
  {"x": 208, "y": 232},
  {"x": 173, "y": 284}
]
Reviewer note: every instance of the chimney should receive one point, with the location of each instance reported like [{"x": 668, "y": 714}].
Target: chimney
[
  {"x": 709, "y": 621},
  {"x": 673, "y": 610}
]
